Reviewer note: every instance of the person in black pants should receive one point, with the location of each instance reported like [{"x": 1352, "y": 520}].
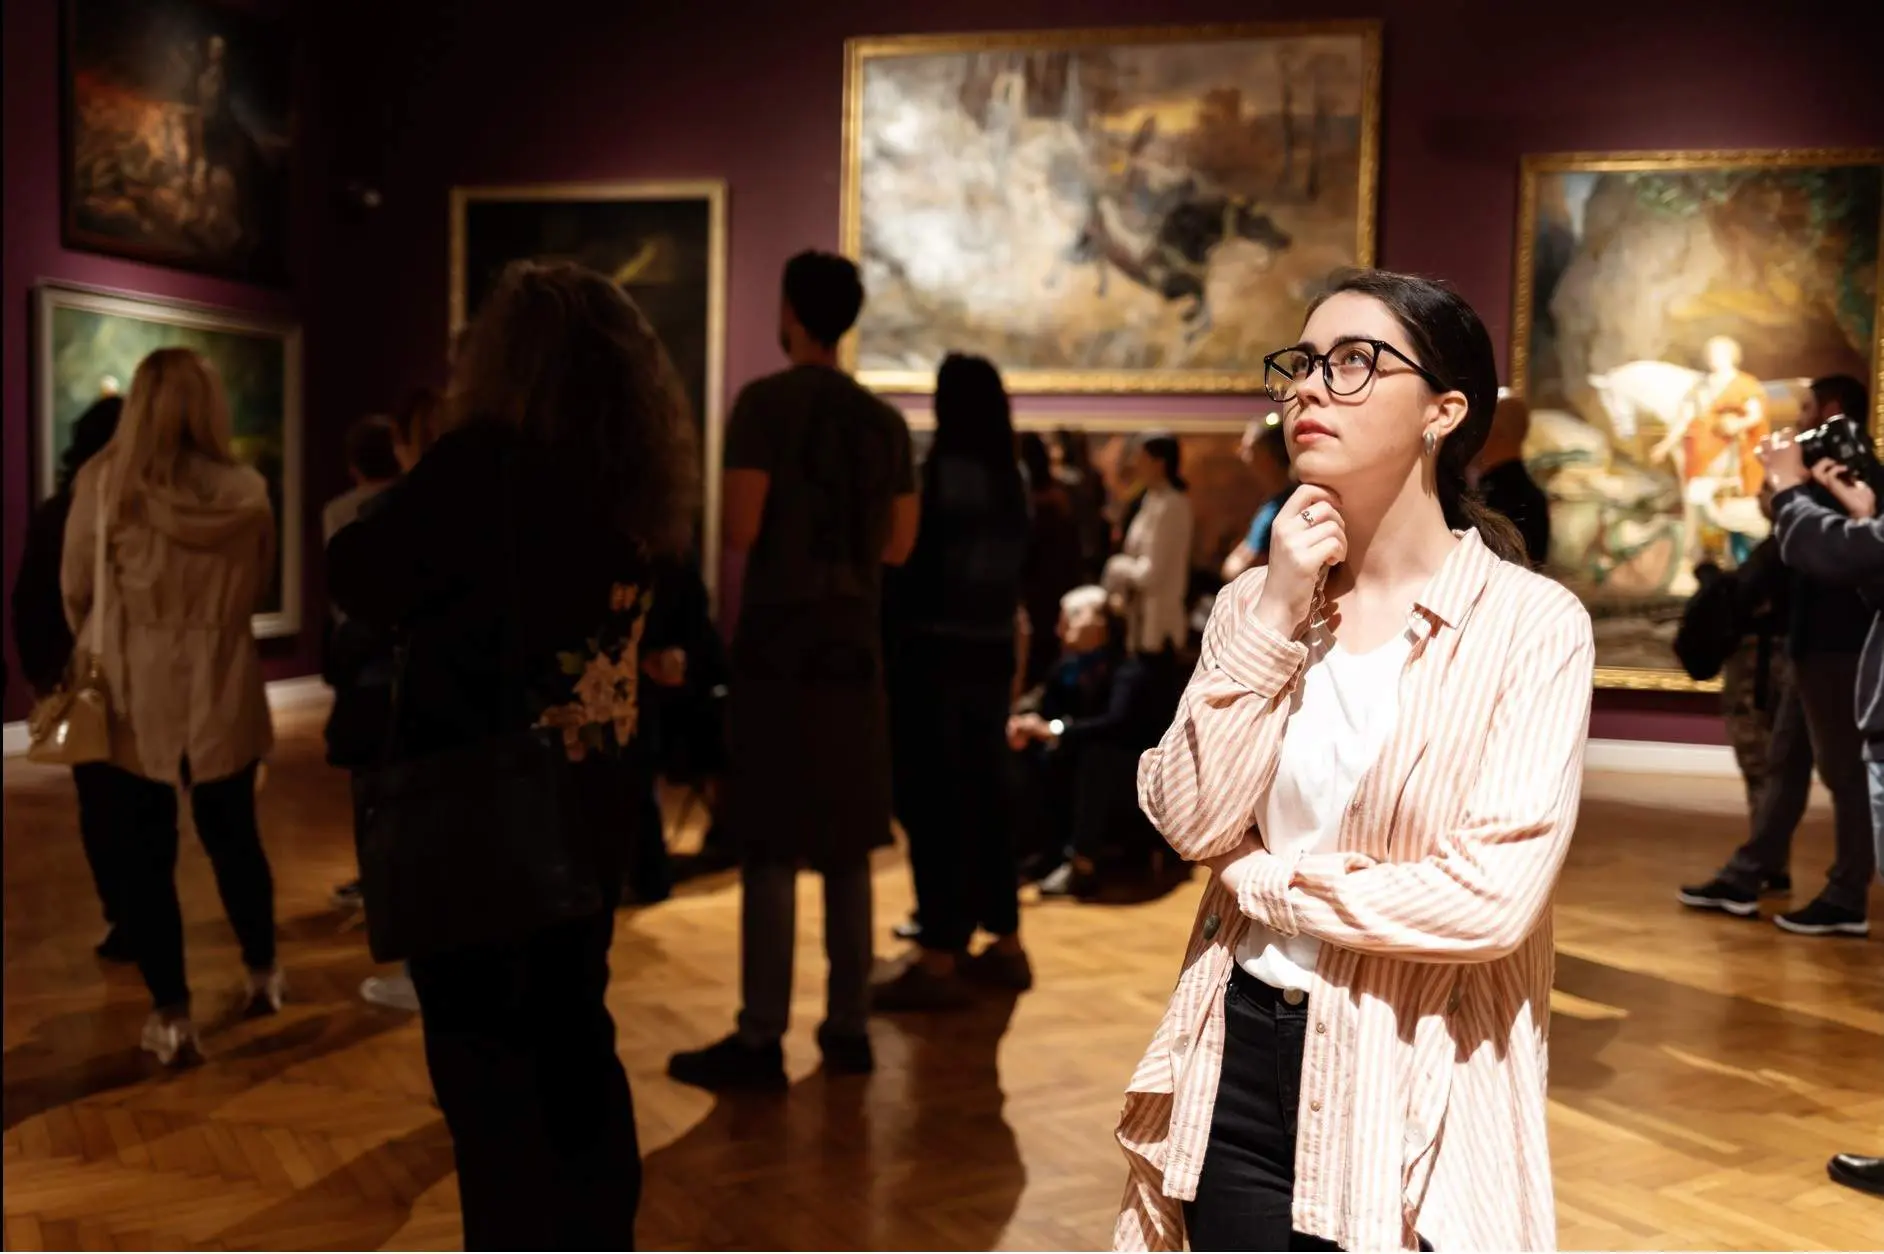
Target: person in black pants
[
  {"x": 44, "y": 640},
  {"x": 168, "y": 548},
  {"x": 951, "y": 615},
  {"x": 524, "y": 541},
  {"x": 1826, "y": 635}
]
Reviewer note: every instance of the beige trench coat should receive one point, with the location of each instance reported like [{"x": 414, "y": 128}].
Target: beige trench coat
[{"x": 186, "y": 566}]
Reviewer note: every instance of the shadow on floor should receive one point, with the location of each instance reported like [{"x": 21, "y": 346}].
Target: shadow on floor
[{"x": 917, "y": 1156}]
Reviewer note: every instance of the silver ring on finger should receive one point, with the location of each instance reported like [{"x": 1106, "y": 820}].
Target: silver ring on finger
[{"x": 1308, "y": 516}]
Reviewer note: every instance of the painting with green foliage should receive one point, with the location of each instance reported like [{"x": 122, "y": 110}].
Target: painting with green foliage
[
  {"x": 90, "y": 344},
  {"x": 1672, "y": 308}
]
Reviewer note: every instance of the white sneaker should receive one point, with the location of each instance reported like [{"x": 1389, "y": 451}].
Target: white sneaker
[
  {"x": 394, "y": 992},
  {"x": 265, "y": 992},
  {"x": 173, "y": 1041}
]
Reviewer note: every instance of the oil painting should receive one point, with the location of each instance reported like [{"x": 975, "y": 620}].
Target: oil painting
[
  {"x": 1108, "y": 210},
  {"x": 1671, "y": 309},
  {"x": 89, "y": 345},
  {"x": 664, "y": 243},
  {"x": 179, "y": 134}
]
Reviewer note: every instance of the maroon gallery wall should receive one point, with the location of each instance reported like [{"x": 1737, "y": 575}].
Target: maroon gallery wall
[
  {"x": 425, "y": 94},
  {"x": 33, "y": 254}
]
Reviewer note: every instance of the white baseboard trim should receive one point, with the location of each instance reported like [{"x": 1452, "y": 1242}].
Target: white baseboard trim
[
  {"x": 301, "y": 693},
  {"x": 1659, "y": 757}
]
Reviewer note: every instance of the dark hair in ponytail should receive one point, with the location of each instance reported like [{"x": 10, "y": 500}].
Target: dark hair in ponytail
[{"x": 1445, "y": 336}]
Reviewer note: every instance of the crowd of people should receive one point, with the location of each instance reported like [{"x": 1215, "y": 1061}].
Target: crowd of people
[{"x": 981, "y": 647}]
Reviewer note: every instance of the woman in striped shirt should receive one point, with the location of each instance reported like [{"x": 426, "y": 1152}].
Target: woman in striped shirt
[{"x": 1379, "y": 757}]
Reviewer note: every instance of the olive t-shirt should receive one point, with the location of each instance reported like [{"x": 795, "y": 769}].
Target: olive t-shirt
[{"x": 836, "y": 457}]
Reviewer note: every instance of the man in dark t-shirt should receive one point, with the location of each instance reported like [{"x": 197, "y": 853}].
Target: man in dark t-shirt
[
  {"x": 1507, "y": 486},
  {"x": 820, "y": 495}
]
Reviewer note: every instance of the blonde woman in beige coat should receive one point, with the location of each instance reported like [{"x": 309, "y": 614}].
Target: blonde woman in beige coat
[{"x": 190, "y": 537}]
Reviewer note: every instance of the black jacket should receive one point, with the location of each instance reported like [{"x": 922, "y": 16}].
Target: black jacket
[
  {"x": 488, "y": 568},
  {"x": 1820, "y": 543},
  {"x": 40, "y": 632}
]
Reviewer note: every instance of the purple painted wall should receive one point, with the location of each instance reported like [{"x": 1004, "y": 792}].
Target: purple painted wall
[
  {"x": 425, "y": 94},
  {"x": 33, "y": 254}
]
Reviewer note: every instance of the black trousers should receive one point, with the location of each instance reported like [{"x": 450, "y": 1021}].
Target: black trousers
[
  {"x": 1820, "y": 725},
  {"x": 136, "y": 853},
  {"x": 951, "y": 795},
  {"x": 521, "y": 1050},
  {"x": 94, "y": 803},
  {"x": 1246, "y": 1189}
]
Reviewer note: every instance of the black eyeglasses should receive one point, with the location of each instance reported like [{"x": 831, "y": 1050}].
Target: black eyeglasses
[{"x": 1346, "y": 368}]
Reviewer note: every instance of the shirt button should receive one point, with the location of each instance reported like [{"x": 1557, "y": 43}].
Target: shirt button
[
  {"x": 1315, "y": 1106},
  {"x": 1294, "y": 996},
  {"x": 1211, "y": 924},
  {"x": 1321, "y": 1029},
  {"x": 1183, "y": 1043}
]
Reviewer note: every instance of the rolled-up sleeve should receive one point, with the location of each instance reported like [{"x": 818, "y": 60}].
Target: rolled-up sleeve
[
  {"x": 1486, "y": 887},
  {"x": 1201, "y": 784}
]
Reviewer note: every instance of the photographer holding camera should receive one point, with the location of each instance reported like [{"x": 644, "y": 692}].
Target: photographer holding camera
[
  {"x": 1826, "y": 634},
  {"x": 1819, "y": 542}
]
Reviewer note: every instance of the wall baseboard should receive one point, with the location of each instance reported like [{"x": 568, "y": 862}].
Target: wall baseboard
[
  {"x": 1630, "y": 757},
  {"x": 284, "y": 695},
  {"x": 1659, "y": 757}
]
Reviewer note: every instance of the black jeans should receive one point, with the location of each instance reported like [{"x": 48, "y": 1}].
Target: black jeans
[
  {"x": 951, "y": 795},
  {"x": 136, "y": 838},
  {"x": 1820, "y": 726},
  {"x": 94, "y": 804},
  {"x": 521, "y": 1050},
  {"x": 1246, "y": 1189}
]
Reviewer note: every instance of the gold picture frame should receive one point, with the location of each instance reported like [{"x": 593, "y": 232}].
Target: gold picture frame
[
  {"x": 590, "y": 214},
  {"x": 1244, "y": 374},
  {"x": 1556, "y": 175}
]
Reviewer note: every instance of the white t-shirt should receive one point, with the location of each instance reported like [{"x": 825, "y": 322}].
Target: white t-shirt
[{"x": 1343, "y": 712}]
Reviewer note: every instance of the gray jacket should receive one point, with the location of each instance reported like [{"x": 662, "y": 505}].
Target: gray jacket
[{"x": 1825, "y": 545}]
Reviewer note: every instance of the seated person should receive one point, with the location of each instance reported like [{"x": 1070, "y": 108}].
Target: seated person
[{"x": 1077, "y": 739}]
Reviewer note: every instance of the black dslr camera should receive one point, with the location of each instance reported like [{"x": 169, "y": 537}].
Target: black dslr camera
[{"x": 1842, "y": 440}]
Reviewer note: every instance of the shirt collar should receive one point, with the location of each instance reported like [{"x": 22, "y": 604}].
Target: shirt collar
[{"x": 1455, "y": 587}]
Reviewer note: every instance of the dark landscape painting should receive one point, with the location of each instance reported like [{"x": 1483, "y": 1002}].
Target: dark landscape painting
[
  {"x": 663, "y": 243},
  {"x": 179, "y": 133}
]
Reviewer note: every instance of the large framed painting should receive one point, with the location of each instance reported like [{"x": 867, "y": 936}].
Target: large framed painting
[
  {"x": 665, "y": 243},
  {"x": 1670, "y": 308},
  {"x": 179, "y": 133},
  {"x": 1105, "y": 210},
  {"x": 1224, "y": 493},
  {"x": 89, "y": 344}
]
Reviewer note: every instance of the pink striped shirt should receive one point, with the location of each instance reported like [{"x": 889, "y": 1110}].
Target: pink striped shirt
[{"x": 1423, "y": 1078}]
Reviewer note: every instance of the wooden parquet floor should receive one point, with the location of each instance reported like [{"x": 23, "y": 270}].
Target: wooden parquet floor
[{"x": 1703, "y": 1068}]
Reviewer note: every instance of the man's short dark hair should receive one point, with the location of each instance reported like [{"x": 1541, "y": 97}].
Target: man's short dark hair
[
  {"x": 824, "y": 290},
  {"x": 370, "y": 449},
  {"x": 1844, "y": 391}
]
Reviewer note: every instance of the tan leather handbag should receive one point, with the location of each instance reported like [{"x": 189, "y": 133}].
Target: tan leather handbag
[{"x": 71, "y": 725}]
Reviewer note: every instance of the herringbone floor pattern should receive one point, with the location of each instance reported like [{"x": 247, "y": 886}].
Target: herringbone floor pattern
[{"x": 1703, "y": 1068}]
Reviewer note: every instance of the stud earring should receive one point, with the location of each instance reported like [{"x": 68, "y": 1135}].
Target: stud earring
[{"x": 1429, "y": 442}]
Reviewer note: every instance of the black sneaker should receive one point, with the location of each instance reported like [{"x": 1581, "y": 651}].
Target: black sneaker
[
  {"x": 910, "y": 986},
  {"x": 1779, "y": 885},
  {"x": 116, "y": 947},
  {"x": 845, "y": 1054},
  {"x": 1822, "y": 918},
  {"x": 1718, "y": 894},
  {"x": 1068, "y": 880},
  {"x": 909, "y": 929},
  {"x": 731, "y": 1064},
  {"x": 1855, "y": 1171}
]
